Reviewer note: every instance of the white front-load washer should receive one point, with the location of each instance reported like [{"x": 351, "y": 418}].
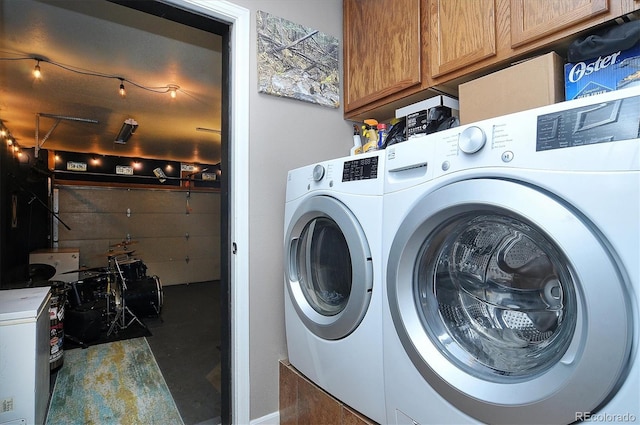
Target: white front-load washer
[
  {"x": 333, "y": 271},
  {"x": 512, "y": 271}
]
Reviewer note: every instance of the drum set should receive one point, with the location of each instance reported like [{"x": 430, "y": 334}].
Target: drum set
[{"x": 111, "y": 298}]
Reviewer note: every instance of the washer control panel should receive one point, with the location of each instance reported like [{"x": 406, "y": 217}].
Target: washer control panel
[
  {"x": 472, "y": 139},
  {"x": 318, "y": 173},
  {"x": 600, "y": 122}
]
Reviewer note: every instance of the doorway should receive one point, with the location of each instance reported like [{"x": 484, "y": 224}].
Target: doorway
[
  {"x": 235, "y": 194},
  {"x": 232, "y": 23}
]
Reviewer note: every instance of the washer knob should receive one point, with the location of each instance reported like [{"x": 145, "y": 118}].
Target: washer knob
[
  {"x": 472, "y": 139},
  {"x": 318, "y": 172}
]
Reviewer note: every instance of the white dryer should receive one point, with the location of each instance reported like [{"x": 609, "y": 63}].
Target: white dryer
[
  {"x": 333, "y": 272},
  {"x": 512, "y": 272}
]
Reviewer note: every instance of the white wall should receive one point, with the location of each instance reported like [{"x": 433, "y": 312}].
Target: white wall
[{"x": 284, "y": 134}]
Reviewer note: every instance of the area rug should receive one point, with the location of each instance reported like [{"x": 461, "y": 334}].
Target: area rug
[{"x": 114, "y": 383}]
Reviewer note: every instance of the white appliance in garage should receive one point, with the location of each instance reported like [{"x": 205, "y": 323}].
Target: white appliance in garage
[
  {"x": 512, "y": 273},
  {"x": 24, "y": 355},
  {"x": 333, "y": 286}
]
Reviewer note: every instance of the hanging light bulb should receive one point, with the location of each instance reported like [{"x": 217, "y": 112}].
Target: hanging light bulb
[
  {"x": 36, "y": 71},
  {"x": 122, "y": 92},
  {"x": 3, "y": 132},
  {"x": 173, "y": 90}
]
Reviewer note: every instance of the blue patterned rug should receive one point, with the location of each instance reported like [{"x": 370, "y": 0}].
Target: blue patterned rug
[{"x": 114, "y": 383}]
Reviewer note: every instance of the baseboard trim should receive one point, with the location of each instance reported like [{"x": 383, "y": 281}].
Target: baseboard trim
[{"x": 270, "y": 419}]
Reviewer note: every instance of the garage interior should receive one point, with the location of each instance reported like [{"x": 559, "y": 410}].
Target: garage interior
[{"x": 115, "y": 151}]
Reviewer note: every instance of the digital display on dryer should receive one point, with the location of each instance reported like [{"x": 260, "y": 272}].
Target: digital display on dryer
[
  {"x": 597, "y": 123},
  {"x": 360, "y": 169}
]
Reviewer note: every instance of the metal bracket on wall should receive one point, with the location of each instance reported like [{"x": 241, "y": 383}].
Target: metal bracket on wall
[{"x": 58, "y": 118}]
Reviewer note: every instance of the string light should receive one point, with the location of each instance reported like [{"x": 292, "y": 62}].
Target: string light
[
  {"x": 173, "y": 90},
  {"x": 122, "y": 92},
  {"x": 36, "y": 71},
  {"x": 10, "y": 140}
]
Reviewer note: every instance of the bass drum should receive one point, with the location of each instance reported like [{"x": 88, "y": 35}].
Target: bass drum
[{"x": 144, "y": 297}]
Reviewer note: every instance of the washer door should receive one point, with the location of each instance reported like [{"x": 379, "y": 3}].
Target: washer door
[
  {"x": 328, "y": 267},
  {"x": 508, "y": 303}
]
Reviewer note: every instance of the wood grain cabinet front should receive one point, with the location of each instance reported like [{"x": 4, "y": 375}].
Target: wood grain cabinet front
[
  {"x": 382, "y": 49},
  {"x": 396, "y": 51},
  {"x": 462, "y": 32}
]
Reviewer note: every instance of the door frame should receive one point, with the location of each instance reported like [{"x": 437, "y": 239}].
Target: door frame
[{"x": 236, "y": 234}]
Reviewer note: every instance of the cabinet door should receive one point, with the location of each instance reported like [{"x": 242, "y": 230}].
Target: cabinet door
[
  {"x": 382, "y": 49},
  {"x": 534, "y": 19},
  {"x": 462, "y": 32}
]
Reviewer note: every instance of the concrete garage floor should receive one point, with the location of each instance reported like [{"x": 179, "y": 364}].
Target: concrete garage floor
[{"x": 186, "y": 345}]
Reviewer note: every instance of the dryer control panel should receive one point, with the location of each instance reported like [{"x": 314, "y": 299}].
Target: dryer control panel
[
  {"x": 360, "y": 169},
  {"x": 600, "y": 122}
]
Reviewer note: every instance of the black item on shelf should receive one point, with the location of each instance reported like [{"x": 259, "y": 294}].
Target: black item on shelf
[
  {"x": 396, "y": 133},
  {"x": 438, "y": 115},
  {"x": 609, "y": 40},
  {"x": 448, "y": 123}
]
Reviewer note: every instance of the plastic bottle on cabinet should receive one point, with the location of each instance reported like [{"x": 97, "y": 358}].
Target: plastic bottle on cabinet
[
  {"x": 371, "y": 134},
  {"x": 357, "y": 141},
  {"x": 382, "y": 135}
]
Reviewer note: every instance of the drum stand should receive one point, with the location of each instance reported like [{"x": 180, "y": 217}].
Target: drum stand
[{"x": 120, "y": 320}]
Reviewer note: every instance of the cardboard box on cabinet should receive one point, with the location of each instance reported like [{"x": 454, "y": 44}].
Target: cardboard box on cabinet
[{"x": 525, "y": 85}]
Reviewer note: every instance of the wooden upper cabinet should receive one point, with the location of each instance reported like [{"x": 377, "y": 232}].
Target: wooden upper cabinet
[
  {"x": 462, "y": 32},
  {"x": 382, "y": 49},
  {"x": 395, "y": 50},
  {"x": 535, "y": 19}
]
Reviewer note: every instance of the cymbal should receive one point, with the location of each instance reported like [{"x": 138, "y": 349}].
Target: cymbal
[
  {"x": 91, "y": 275},
  {"x": 123, "y": 244},
  {"x": 118, "y": 253},
  {"x": 85, "y": 269},
  {"x": 129, "y": 261}
]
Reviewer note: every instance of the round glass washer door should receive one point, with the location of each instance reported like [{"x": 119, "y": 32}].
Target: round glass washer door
[
  {"x": 508, "y": 303},
  {"x": 329, "y": 272}
]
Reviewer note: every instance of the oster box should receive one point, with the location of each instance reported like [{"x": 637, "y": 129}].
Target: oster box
[{"x": 602, "y": 74}]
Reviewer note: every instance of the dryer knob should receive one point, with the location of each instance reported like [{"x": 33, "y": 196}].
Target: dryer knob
[
  {"x": 318, "y": 172},
  {"x": 471, "y": 140}
]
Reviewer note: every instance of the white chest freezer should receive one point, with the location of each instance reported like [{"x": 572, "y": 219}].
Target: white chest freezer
[{"x": 24, "y": 355}]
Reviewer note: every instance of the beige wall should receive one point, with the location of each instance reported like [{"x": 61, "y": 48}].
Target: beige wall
[{"x": 284, "y": 134}]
